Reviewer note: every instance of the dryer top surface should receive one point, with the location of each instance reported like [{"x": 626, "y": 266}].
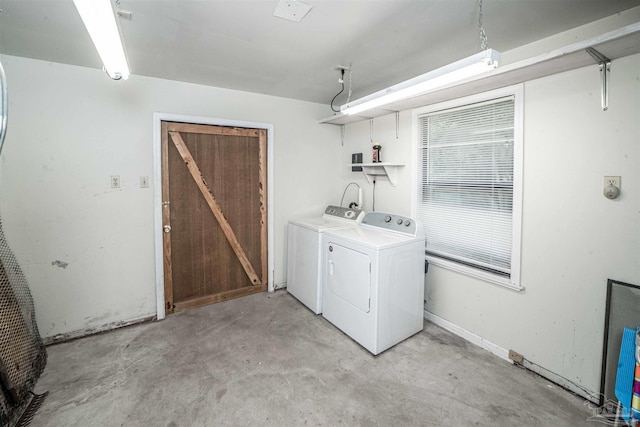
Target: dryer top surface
[{"x": 370, "y": 237}]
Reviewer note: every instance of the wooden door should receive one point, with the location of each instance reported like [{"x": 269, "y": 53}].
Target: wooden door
[{"x": 214, "y": 211}]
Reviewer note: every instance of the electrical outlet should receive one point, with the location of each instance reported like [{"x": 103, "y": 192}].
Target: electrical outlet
[
  {"x": 144, "y": 182},
  {"x": 115, "y": 181},
  {"x": 612, "y": 180}
]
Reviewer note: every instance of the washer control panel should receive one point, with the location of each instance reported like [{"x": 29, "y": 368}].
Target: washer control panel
[
  {"x": 391, "y": 222},
  {"x": 354, "y": 215}
]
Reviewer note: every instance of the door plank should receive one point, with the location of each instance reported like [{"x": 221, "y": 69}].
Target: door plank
[
  {"x": 215, "y": 208},
  {"x": 212, "y": 130},
  {"x": 166, "y": 220},
  {"x": 223, "y": 296},
  {"x": 262, "y": 140}
]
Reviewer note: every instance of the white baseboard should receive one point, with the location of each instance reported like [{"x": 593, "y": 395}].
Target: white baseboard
[
  {"x": 591, "y": 396},
  {"x": 504, "y": 354},
  {"x": 469, "y": 336}
]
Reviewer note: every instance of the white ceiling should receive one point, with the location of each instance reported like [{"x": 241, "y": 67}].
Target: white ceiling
[{"x": 239, "y": 44}]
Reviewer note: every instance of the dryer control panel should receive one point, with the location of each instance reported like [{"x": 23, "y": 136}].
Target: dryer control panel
[{"x": 393, "y": 222}]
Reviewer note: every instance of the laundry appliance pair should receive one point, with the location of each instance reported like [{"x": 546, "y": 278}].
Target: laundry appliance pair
[{"x": 364, "y": 273}]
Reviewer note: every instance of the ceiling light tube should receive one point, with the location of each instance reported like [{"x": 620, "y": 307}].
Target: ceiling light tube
[
  {"x": 438, "y": 78},
  {"x": 100, "y": 21}
]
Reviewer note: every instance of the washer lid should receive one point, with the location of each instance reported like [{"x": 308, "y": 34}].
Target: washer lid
[
  {"x": 333, "y": 217},
  {"x": 319, "y": 224},
  {"x": 373, "y": 238}
]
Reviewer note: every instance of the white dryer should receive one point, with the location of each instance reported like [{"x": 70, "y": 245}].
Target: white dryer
[
  {"x": 373, "y": 287},
  {"x": 304, "y": 272}
]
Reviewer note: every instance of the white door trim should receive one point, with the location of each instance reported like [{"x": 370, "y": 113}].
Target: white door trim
[{"x": 157, "y": 192}]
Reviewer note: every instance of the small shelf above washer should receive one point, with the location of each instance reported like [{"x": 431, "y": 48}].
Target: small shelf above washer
[{"x": 371, "y": 170}]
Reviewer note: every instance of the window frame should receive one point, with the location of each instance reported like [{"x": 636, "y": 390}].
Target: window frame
[{"x": 512, "y": 281}]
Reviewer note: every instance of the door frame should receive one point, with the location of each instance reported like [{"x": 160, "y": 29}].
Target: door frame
[{"x": 157, "y": 192}]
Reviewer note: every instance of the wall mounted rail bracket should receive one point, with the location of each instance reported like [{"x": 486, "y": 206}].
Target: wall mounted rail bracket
[{"x": 605, "y": 69}]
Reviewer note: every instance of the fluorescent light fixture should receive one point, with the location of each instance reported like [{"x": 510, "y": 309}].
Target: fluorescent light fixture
[
  {"x": 451, "y": 73},
  {"x": 100, "y": 21}
]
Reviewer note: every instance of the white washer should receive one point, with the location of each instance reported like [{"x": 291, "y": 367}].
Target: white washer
[
  {"x": 373, "y": 287},
  {"x": 304, "y": 272}
]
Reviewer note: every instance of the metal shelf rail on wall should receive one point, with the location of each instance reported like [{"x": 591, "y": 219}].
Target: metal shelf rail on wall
[{"x": 612, "y": 45}]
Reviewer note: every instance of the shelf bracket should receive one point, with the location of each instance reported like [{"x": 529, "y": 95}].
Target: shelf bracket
[
  {"x": 605, "y": 70},
  {"x": 371, "y": 130}
]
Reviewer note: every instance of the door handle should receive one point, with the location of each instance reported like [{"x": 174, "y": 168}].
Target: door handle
[
  {"x": 166, "y": 228},
  {"x": 331, "y": 268}
]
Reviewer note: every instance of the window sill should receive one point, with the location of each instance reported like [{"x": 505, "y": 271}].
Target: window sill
[{"x": 473, "y": 272}]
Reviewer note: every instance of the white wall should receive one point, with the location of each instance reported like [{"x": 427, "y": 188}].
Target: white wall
[
  {"x": 573, "y": 239},
  {"x": 71, "y": 128}
]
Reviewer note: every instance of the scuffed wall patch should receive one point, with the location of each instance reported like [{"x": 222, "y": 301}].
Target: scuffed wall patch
[{"x": 60, "y": 264}]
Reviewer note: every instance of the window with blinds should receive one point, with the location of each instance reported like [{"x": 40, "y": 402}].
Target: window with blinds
[{"x": 466, "y": 188}]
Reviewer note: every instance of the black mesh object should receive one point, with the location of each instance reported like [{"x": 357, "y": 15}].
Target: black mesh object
[{"x": 22, "y": 353}]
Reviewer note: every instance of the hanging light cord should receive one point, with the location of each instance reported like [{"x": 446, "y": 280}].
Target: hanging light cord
[
  {"x": 336, "y": 110},
  {"x": 338, "y": 94},
  {"x": 484, "y": 43}
]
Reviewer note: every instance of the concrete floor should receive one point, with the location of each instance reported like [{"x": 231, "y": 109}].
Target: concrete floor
[{"x": 265, "y": 360}]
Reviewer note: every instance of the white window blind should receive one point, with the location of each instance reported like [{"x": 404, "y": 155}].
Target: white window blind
[{"x": 467, "y": 183}]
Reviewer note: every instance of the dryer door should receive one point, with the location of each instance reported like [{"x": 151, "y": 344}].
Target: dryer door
[{"x": 349, "y": 276}]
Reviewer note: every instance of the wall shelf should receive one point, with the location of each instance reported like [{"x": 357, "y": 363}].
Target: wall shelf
[
  {"x": 371, "y": 170},
  {"x": 614, "y": 44}
]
